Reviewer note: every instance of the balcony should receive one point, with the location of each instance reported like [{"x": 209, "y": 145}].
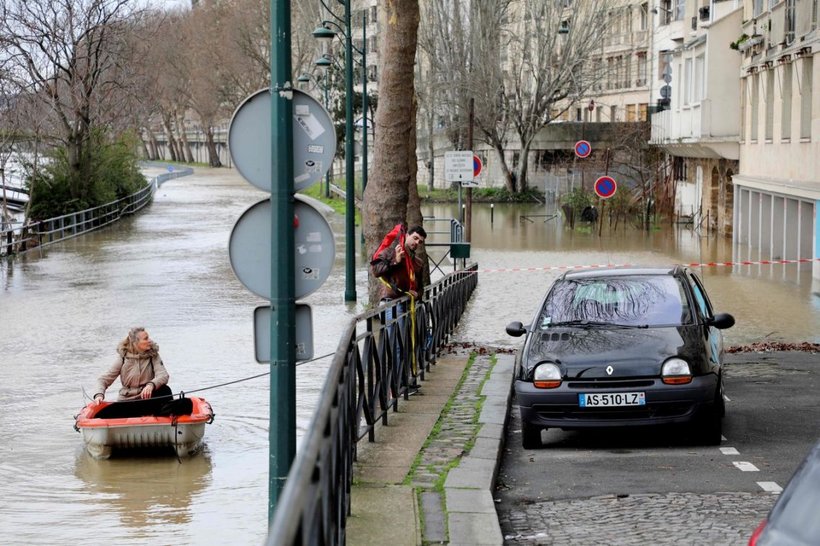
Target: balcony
[{"x": 701, "y": 130}]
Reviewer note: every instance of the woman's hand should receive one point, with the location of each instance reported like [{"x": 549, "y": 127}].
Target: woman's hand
[
  {"x": 147, "y": 390},
  {"x": 98, "y": 399}
]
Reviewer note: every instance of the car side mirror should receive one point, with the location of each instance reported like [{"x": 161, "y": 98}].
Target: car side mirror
[
  {"x": 516, "y": 329},
  {"x": 721, "y": 321}
]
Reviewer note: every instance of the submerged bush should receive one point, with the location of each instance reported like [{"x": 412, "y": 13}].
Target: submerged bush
[{"x": 107, "y": 172}]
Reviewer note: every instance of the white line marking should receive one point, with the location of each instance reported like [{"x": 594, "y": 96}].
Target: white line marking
[
  {"x": 729, "y": 451},
  {"x": 727, "y": 398},
  {"x": 770, "y": 487},
  {"x": 746, "y": 467}
]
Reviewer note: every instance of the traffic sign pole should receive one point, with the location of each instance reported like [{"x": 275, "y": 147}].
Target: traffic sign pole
[{"x": 282, "y": 431}]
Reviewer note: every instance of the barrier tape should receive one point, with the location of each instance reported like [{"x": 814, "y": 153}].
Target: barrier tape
[{"x": 599, "y": 266}]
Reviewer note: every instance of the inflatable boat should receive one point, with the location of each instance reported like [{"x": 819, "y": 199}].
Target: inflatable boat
[{"x": 181, "y": 433}]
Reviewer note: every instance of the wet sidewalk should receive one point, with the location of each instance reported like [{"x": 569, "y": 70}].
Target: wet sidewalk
[{"x": 428, "y": 477}]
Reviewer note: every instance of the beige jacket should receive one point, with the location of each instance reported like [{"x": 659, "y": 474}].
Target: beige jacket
[{"x": 135, "y": 370}]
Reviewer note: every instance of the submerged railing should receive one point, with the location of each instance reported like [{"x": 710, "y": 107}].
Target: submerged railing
[
  {"x": 378, "y": 362},
  {"x": 19, "y": 238}
]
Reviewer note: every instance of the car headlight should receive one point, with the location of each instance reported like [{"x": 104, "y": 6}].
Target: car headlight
[
  {"x": 546, "y": 376},
  {"x": 676, "y": 371}
]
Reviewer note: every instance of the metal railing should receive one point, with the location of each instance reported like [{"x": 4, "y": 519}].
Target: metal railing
[
  {"x": 16, "y": 237},
  {"x": 365, "y": 381}
]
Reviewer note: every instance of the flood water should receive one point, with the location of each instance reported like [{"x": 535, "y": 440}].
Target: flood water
[{"x": 63, "y": 310}]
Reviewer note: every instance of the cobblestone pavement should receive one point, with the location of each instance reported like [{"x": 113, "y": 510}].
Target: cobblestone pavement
[
  {"x": 679, "y": 518},
  {"x": 457, "y": 428}
]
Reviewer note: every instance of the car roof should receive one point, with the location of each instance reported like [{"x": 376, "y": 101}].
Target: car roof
[{"x": 622, "y": 271}]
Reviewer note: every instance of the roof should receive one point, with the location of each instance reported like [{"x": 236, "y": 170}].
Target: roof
[{"x": 621, "y": 271}]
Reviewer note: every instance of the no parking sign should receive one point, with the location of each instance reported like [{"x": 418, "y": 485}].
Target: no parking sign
[
  {"x": 605, "y": 187},
  {"x": 583, "y": 149}
]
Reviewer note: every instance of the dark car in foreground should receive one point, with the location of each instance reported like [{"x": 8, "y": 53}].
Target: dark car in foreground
[
  {"x": 622, "y": 347},
  {"x": 793, "y": 520}
]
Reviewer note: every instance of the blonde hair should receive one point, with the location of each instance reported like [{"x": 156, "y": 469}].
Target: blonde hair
[{"x": 131, "y": 340}]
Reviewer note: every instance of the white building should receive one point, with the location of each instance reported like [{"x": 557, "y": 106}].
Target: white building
[{"x": 778, "y": 187}]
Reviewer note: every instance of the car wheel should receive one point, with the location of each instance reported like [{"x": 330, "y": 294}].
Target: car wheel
[
  {"x": 710, "y": 426},
  {"x": 530, "y": 436}
]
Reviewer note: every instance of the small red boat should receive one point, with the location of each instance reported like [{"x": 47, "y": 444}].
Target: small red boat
[{"x": 183, "y": 433}]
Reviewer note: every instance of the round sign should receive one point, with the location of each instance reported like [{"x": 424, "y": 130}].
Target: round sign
[
  {"x": 583, "y": 149},
  {"x": 249, "y": 140},
  {"x": 250, "y": 248},
  {"x": 605, "y": 187},
  {"x": 477, "y": 165}
]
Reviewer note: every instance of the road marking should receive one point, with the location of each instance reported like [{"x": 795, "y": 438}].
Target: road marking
[
  {"x": 729, "y": 451},
  {"x": 770, "y": 487},
  {"x": 746, "y": 467}
]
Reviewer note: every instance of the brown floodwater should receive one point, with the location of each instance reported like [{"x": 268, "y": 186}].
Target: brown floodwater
[{"x": 63, "y": 310}]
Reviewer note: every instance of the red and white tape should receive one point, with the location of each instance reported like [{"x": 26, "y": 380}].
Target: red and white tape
[{"x": 598, "y": 266}]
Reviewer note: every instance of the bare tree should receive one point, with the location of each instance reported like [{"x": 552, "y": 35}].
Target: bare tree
[
  {"x": 523, "y": 61},
  {"x": 393, "y": 172},
  {"x": 72, "y": 52}
]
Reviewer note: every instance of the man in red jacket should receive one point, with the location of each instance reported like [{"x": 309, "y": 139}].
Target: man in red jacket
[{"x": 395, "y": 263}]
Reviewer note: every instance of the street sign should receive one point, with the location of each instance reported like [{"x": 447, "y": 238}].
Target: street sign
[
  {"x": 304, "y": 332},
  {"x": 458, "y": 166},
  {"x": 314, "y": 140},
  {"x": 583, "y": 149},
  {"x": 477, "y": 166},
  {"x": 666, "y": 91},
  {"x": 249, "y": 248},
  {"x": 605, "y": 187}
]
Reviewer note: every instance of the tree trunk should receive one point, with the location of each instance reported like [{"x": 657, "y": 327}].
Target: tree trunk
[
  {"x": 213, "y": 154},
  {"x": 185, "y": 145},
  {"x": 172, "y": 148},
  {"x": 387, "y": 195},
  {"x": 509, "y": 179}
]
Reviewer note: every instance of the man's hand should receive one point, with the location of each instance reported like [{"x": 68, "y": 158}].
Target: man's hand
[{"x": 399, "y": 254}]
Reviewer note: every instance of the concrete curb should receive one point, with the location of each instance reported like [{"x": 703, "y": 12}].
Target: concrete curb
[{"x": 471, "y": 514}]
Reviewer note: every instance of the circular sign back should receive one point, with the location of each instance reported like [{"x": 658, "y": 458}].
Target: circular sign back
[
  {"x": 605, "y": 187},
  {"x": 250, "y": 248},
  {"x": 249, "y": 140},
  {"x": 583, "y": 149}
]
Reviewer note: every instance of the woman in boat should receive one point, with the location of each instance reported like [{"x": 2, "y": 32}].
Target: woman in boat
[{"x": 140, "y": 369}]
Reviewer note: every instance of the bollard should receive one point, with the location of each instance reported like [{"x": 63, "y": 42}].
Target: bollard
[{"x": 492, "y": 209}]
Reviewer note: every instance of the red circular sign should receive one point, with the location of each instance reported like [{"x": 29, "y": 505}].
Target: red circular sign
[
  {"x": 583, "y": 149},
  {"x": 605, "y": 187},
  {"x": 477, "y": 165}
]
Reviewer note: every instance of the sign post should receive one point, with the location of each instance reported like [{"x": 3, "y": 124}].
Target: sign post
[{"x": 458, "y": 167}]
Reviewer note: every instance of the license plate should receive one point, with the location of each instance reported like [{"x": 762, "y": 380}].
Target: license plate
[{"x": 609, "y": 399}]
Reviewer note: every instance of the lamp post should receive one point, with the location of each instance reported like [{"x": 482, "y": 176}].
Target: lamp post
[
  {"x": 324, "y": 32},
  {"x": 325, "y": 85}
]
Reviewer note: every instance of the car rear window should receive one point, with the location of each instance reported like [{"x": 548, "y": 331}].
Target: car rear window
[{"x": 634, "y": 300}]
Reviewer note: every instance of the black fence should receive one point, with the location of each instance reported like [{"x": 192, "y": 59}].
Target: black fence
[{"x": 379, "y": 362}]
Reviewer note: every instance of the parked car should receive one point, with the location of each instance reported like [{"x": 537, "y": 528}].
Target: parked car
[
  {"x": 793, "y": 519},
  {"x": 622, "y": 347}
]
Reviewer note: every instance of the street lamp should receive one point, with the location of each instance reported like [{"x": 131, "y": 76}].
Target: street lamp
[
  {"x": 325, "y": 85},
  {"x": 325, "y": 32}
]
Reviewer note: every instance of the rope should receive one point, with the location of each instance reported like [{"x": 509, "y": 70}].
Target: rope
[{"x": 182, "y": 393}]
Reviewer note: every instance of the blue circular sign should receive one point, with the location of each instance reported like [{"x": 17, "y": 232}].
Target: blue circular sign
[
  {"x": 605, "y": 187},
  {"x": 583, "y": 149}
]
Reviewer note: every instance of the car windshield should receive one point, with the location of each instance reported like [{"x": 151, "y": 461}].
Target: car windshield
[{"x": 629, "y": 300}]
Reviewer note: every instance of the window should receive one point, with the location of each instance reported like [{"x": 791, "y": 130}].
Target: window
[
  {"x": 758, "y": 7},
  {"x": 789, "y": 21},
  {"x": 642, "y": 67},
  {"x": 769, "y": 97},
  {"x": 643, "y": 110},
  {"x": 687, "y": 82},
  {"x": 701, "y": 299},
  {"x": 627, "y": 71},
  {"x": 743, "y": 95},
  {"x": 644, "y": 24},
  {"x": 680, "y": 9},
  {"x": 631, "y": 112},
  {"x": 754, "y": 106},
  {"x": 698, "y": 83},
  {"x": 806, "y": 98},
  {"x": 786, "y": 104},
  {"x": 613, "y": 111}
]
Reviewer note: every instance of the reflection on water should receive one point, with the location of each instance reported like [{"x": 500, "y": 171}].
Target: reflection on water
[
  {"x": 63, "y": 309},
  {"x": 139, "y": 494}
]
